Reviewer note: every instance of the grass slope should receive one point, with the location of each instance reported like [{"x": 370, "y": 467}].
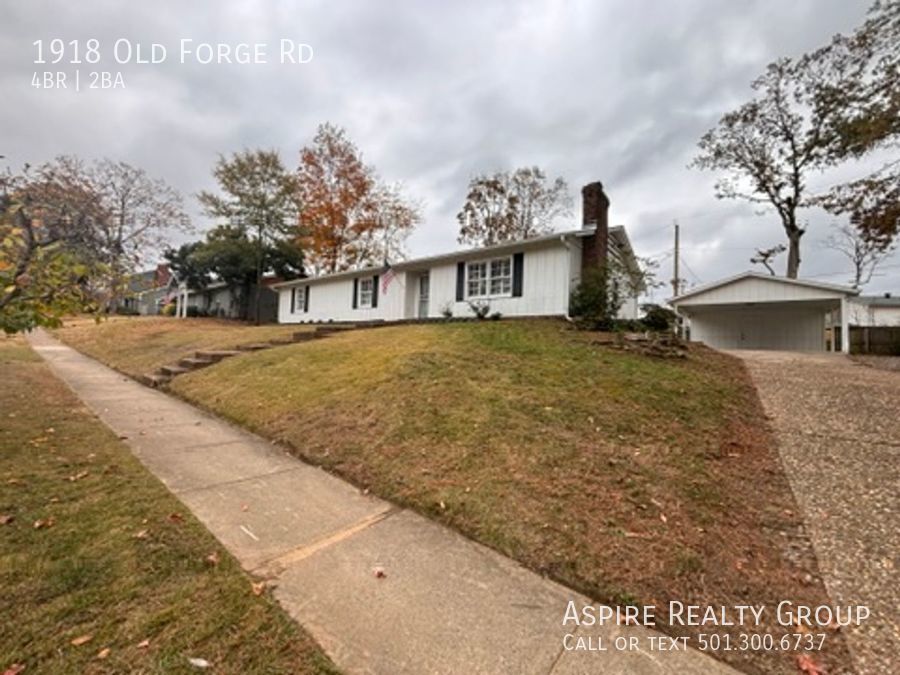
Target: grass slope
[
  {"x": 88, "y": 574},
  {"x": 631, "y": 478},
  {"x": 140, "y": 345}
]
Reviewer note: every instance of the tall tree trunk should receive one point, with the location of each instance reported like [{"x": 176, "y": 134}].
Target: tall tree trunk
[
  {"x": 259, "y": 275},
  {"x": 793, "y": 261}
]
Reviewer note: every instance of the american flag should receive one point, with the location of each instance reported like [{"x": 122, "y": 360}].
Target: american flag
[{"x": 387, "y": 278}]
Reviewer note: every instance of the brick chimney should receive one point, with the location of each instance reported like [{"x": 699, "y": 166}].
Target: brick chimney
[
  {"x": 595, "y": 214},
  {"x": 162, "y": 275}
]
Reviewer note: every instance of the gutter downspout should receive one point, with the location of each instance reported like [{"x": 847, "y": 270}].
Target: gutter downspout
[
  {"x": 566, "y": 290},
  {"x": 845, "y": 326}
]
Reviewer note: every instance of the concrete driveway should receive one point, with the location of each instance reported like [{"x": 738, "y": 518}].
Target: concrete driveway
[{"x": 838, "y": 427}]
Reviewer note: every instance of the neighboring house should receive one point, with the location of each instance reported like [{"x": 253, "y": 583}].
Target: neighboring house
[
  {"x": 760, "y": 311},
  {"x": 530, "y": 277},
  {"x": 148, "y": 291},
  {"x": 220, "y": 301},
  {"x": 874, "y": 310}
]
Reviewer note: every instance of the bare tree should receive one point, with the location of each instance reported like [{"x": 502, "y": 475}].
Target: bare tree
[
  {"x": 833, "y": 106},
  {"x": 864, "y": 253},
  {"x": 393, "y": 215},
  {"x": 859, "y": 79},
  {"x": 764, "y": 256},
  {"x": 518, "y": 205},
  {"x": 535, "y": 203},
  {"x": 143, "y": 212},
  {"x": 768, "y": 147}
]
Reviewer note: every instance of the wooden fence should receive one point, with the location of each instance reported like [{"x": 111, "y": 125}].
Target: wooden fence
[{"x": 884, "y": 340}]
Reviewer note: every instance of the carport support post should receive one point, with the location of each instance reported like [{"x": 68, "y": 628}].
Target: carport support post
[
  {"x": 832, "y": 321},
  {"x": 845, "y": 326}
]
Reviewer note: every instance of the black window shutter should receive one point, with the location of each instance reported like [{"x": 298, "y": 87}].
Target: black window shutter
[
  {"x": 293, "y": 299},
  {"x": 306, "y": 299},
  {"x": 375, "y": 291},
  {"x": 460, "y": 281},
  {"x": 518, "y": 269},
  {"x": 355, "y": 291}
]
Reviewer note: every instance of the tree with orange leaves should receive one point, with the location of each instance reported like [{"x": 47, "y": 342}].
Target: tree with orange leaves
[{"x": 348, "y": 217}]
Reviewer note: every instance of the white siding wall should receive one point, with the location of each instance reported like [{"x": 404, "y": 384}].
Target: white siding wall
[
  {"x": 545, "y": 291},
  {"x": 551, "y": 271},
  {"x": 629, "y": 309},
  {"x": 333, "y": 301},
  {"x": 872, "y": 315},
  {"x": 796, "y": 329},
  {"x": 545, "y": 286},
  {"x": 758, "y": 290}
]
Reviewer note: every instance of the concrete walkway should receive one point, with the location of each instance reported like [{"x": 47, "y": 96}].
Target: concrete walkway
[
  {"x": 838, "y": 429},
  {"x": 444, "y": 605}
]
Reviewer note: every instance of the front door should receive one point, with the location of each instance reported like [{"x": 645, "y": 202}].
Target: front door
[{"x": 423, "y": 296}]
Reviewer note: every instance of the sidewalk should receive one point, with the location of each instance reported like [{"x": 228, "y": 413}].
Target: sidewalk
[{"x": 444, "y": 605}]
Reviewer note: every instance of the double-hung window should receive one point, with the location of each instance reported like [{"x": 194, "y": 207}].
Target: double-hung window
[
  {"x": 298, "y": 299},
  {"x": 366, "y": 291},
  {"x": 489, "y": 278}
]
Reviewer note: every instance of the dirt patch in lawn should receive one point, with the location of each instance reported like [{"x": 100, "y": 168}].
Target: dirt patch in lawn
[
  {"x": 880, "y": 362},
  {"x": 140, "y": 345},
  {"x": 630, "y": 478},
  {"x": 102, "y": 569}
]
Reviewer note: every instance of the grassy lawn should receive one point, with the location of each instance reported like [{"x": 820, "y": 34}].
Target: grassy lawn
[
  {"x": 102, "y": 569},
  {"x": 161, "y": 340},
  {"x": 633, "y": 479}
]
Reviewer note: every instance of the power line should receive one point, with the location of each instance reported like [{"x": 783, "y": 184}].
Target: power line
[{"x": 688, "y": 268}]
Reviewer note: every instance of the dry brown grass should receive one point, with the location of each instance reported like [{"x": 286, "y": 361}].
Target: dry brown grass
[
  {"x": 633, "y": 479},
  {"x": 89, "y": 574},
  {"x": 140, "y": 345}
]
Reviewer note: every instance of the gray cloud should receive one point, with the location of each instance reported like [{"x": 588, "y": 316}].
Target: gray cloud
[{"x": 435, "y": 92}]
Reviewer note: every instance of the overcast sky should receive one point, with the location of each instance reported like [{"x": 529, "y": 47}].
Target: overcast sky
[{"x": 433, "y": 93}]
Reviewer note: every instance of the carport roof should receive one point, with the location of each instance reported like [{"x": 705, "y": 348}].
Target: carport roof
[{"x": 705, "y": 288}]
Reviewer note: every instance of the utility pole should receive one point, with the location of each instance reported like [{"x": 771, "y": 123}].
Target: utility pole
[{"x": 676, "y": 281}]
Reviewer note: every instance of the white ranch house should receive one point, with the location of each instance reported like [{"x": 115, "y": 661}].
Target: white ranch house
[{"x": 530, "y": 277}]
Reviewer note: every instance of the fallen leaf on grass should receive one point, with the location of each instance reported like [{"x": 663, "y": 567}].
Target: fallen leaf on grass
[
  {"x": 14, "y": 669},
  {"x": 141, "y": 535},
  {"x": 6, "y": 519},
  {"x": 143, "y": 644},
  {"x": 82, "y": 639},
  {"x": 176, "y": 518},
  {"x": 15, "y": 481},
  {"x": 78, "y": 476},
  {"x": 662, "y": 517},
  {"x": 258, "y": 587},
  {"x": 103, "y": 653},
  {"x": 213, "y": 558},
  {"x": 806, "y": 665},
  {"x": 198, "y": 663},
  {"x": 42, "y": 523}
]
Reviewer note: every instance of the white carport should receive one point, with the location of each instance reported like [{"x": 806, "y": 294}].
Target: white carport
[{"x": 760, "y": 311}]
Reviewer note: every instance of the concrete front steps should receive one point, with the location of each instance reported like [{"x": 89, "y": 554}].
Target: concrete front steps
[{"x": 208, "y": 357}]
